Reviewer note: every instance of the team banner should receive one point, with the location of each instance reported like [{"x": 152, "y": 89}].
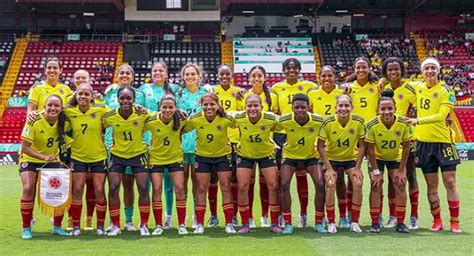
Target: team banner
[{"x": 54, "y": 190}]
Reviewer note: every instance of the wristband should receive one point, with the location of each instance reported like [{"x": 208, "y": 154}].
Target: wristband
[{"x": 376, "y": 171}]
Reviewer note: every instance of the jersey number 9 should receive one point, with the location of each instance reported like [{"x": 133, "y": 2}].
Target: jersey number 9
[{"x": 210, "y": 138}]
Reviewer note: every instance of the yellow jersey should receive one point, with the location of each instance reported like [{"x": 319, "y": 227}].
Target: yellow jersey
[
  {"x": 286, "y": 91},
  {"x": 323, "y": 103},
  {"x": 255, "y": 139},
  {"x": 404, "y": 96},
  {"x": 40, "y": 93},
  {"x": 433, "y": 106},
  {"x": 365, "y": 99},
  {"x": 88, "y": 143},
  {"x": 126, "y": 133},
  {"x": 341, "y": 141},
  {"x": 301, "y": 139},
  {"x": 388, "y": 141},
  {"x": 43, "y": 137},
  {"x": 212, "y": 139},
  {"x": 228, "y": 100},
  {"x": 165, "y": 142},
  {"x": 273, "y": 97}
]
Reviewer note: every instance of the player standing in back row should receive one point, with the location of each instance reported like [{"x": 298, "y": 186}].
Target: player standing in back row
[{"x": 285, "y": 91}]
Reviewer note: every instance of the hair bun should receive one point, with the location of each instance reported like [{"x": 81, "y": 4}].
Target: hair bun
[{"x": 387, "y": 93}]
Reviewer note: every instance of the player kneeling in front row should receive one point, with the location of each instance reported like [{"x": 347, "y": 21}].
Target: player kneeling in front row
[
  {"x": 302, "y": 130},
  {"x": 343, "y": 137},
  {"x": 385, "y": 133}
]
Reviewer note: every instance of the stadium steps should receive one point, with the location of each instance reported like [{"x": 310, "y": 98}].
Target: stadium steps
[
  {"x": 317, "y": 59},
  {"x": 456, "y": 126},
  {"x": 118, "y": 61},
  {"x": 227, "y": 53},
  {"x": 12, "y": 73},
  {"x": 420, "y": 48}
]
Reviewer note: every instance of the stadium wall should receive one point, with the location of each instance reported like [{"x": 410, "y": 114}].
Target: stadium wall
[
  {"x": 132, "y": 14},
  {"x": 430, "y": 22}
]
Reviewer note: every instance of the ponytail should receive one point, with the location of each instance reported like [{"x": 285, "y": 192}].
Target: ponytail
[
  {"x": 221, "y": 112},
  {"x": 61, "y": 128},
  {"x": 167, "y": 88},
  {"x": 268, "y": 96}
]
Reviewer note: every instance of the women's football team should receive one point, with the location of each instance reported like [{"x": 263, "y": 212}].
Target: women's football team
[{"x": 160, "y": 134}]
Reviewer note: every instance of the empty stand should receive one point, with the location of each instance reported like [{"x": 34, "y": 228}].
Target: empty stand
[
  {"x": 98, "y": 58},
  {"x": 176, "y": 55},
  {"x": 11, "y": 125},
  {"x": 466, "y": 119},
  {"x": 6, "y": 49}
]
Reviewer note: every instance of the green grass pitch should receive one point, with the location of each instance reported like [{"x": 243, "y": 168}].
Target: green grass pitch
[{"x": 259, "y": 242}]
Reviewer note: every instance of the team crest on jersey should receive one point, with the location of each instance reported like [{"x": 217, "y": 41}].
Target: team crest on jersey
[
  {"x": 54, "y": 182},
  {"x": 61, "y": 91},
  {"x": 93, "y": 115},
  {"x": 234, "y": 95},
  {"x": 351, "y": 131},
  {"x": 311, "y": 129},
  {"x": 371, "y": 90},
  {"x": 263, "y": 128},
  {"x": 300, "y": 88},
  {"x": 135, "y": 123},
  {"x": 398, "y": 133},
  {"x": 24, "y": 165},
  {"x": 400, "y": 96},
  {"x": 219, "y": 128},
  {"x": 435, "y": 95}
]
